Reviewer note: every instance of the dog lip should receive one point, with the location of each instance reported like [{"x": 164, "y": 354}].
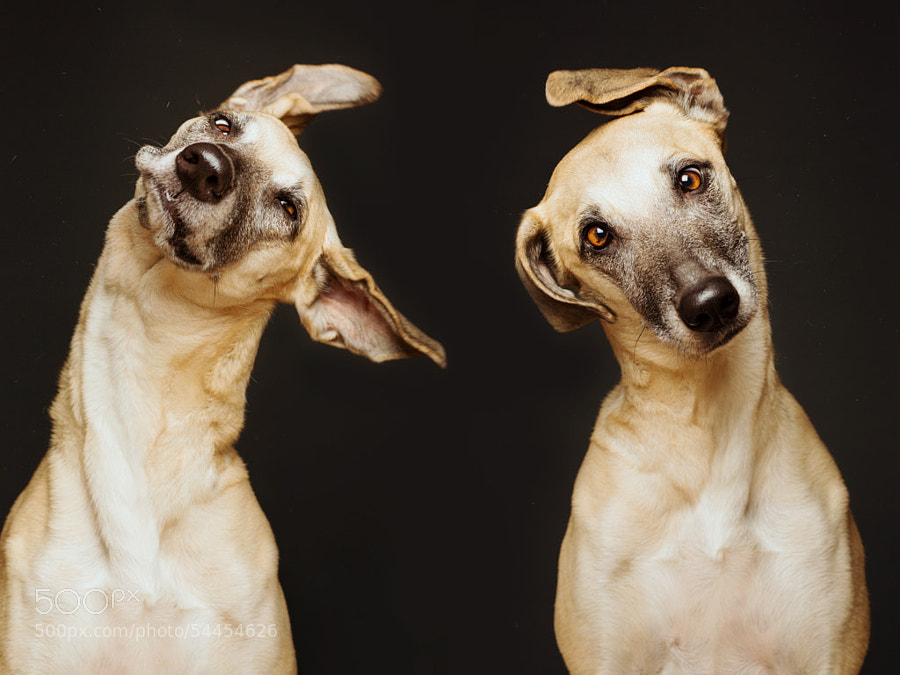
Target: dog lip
[
  {"x": 166, "y": 201},
  {"x": 177, "y": 244},
  {"x": 173, "y": 232},
  {"x": 729, "y": 334},
  {"x": 723, "y": 336},
  {"x": 183, "y": 253}
]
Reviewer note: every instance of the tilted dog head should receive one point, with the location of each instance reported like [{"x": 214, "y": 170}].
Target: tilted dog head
[
  {"x": 642, "y": 218},
  {"x": 232, "y": 201}
]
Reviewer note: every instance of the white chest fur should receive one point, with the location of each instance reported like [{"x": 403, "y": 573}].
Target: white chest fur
[{"x": 723, "y": 580}]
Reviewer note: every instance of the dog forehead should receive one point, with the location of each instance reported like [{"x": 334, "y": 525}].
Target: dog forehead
[
  {"x": 622, "y": 165},
  {"x": 613, "y": 178},
  {"x": 662, "y": 125}
]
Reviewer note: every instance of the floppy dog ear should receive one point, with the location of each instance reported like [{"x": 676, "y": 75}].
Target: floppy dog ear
[
  {"x": 621, "y": 92},
  {"x": 345, "y": 308},
  {"x": 537, "y": 267},
  {"x": 302, "y": 92}
]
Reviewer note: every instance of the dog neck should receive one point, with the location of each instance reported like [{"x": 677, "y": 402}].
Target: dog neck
[
  {"x": 727, "y": 384},
  {"x": 152, "y": 396}
]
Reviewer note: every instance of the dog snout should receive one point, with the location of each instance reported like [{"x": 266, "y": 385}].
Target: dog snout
[
  {"x": 205, "y": 171},
  {"x": 709, "y": 305}
]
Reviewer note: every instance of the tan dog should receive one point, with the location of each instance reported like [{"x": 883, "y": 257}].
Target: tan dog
[
  {"x": 139, "y": 546},
  {"x": 710, "y": 530}
]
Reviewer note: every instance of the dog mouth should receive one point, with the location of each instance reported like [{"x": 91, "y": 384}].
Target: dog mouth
[
  {"x": 170, "y": 228},
  {"x": 171, "y": 236},
  {"x": 176, "y": 240},
  {"x": 700, "y": 322},
  {"x": 712, "y": 342},
  {"x": 695, "y": 344}
]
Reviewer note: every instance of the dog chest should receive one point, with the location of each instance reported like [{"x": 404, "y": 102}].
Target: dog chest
[{"x": 716, "y": 586}]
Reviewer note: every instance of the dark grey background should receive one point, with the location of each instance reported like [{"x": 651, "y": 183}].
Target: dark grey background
[{"x": 418, "y": 511}]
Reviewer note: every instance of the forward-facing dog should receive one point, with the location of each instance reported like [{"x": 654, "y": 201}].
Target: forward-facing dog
[
  {"x": 138, "y": 546},
  {"x": 710, "y": 530}
]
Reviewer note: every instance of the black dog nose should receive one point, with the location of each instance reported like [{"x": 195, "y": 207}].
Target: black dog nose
[
  {"x": 709, "y": 305},
  {"x": 204, "y": 171}
]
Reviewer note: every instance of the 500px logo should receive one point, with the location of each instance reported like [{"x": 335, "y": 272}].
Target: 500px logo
[{"x": 92, "y": 600}]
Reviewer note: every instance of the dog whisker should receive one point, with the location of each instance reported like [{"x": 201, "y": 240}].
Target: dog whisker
[
  {"x": 215, "y": 279},
  {"x": 180, "y": 192},
  {"x": 636, "y": 340}
]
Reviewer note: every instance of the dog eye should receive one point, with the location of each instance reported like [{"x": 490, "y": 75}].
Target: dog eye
[
  {"x": 596, "y": 235},
  {"x": 289, "y": 207},
  {"x": 690, "y": 179},
  {"x": 223, "y": 124}
]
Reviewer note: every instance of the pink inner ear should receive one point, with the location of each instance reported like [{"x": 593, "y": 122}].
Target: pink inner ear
[
  {"x": 358, "y": 321},
  {"x": 336, "y": 294}
]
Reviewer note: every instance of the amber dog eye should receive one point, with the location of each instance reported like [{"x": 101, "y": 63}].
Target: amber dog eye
[
  {"x": 597, "y": 235},
  {"x": 222, "y": 124},
  {"x": 289, "y": 208},
  {"x": 690, "y": 179}
]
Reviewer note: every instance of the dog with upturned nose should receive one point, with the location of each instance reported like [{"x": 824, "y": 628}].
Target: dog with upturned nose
[
  {"x": 138, "y": 547},
  {"x": 710, "y": 530}
]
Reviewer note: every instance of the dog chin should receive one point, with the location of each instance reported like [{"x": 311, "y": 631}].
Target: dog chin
[
  {"x": 180, "y": 254},
  {"x": 159, "y": 214},
  {"x": 703, "y": 344}
]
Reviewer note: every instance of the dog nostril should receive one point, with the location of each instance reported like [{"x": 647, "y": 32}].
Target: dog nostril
[
  {"x": 709, "y": 305},
  {"x": 205, "y": 171}
]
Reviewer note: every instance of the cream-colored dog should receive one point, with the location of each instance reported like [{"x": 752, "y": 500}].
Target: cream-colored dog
[
  {"x": 139, "y": 546},
  {"x": 710, "y": 530}
]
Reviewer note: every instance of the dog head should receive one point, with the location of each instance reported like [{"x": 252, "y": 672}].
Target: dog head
[
  {"x": 642, "y": 222},
  {"x": 232, "y": 202}
]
